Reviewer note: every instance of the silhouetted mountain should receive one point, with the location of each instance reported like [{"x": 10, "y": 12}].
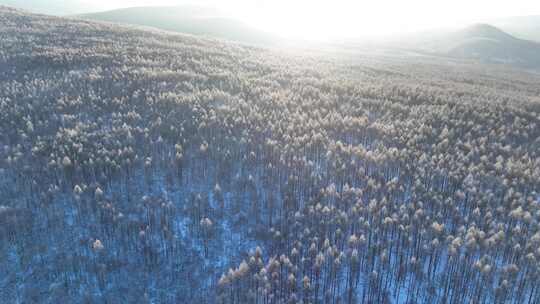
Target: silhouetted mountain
[
  {"x": 194, "y": 20},
  {"x": 484, "y": 31},
  {"x": 487, "y": 43},
  {"x": 524, "y": 27}
]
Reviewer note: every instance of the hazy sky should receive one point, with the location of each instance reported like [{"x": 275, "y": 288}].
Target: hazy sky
[{"x": 321, "y": 19}]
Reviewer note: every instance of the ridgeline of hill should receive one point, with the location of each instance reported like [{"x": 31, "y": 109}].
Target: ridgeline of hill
[
  {"x": 489, "y": 43},
  {"x": 524, "y": 27},
  {"x": 194, "y": 20},
  {"x": 484, "y": 43},
  {"x": 480, "y": 42}
]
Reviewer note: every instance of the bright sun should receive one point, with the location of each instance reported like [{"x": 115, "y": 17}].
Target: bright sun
[{"x": 327, "y": 19}]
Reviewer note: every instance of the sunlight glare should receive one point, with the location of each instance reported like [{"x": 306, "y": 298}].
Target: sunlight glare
[{"x": 324, "y": 19}]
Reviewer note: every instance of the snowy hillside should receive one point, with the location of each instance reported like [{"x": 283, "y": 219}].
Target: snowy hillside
[{"x": 144, "y": 167}]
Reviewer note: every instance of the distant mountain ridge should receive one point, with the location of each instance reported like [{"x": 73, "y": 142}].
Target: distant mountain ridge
[
  {"x": 486, "y": 31},
  {"x": 524, "y": 27},
  {"x": 194, "y": 20},
  {"x": 487, "y": 43}
]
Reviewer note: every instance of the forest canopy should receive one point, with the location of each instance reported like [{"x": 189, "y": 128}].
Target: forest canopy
[{"x": 145, "y": 167}]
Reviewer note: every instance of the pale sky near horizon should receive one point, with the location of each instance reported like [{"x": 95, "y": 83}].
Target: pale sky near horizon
[{"x": 326, "y": 19}]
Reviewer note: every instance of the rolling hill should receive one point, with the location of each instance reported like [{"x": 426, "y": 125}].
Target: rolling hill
[
  {"x": 486, "y": 43},
  {"x": 201, "y": 21},
  {"x": 524, "y": 27}
]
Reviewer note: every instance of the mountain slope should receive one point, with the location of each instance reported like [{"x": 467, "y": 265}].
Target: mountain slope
[
  {"x": 524, "y": 27},
  {"x": 186, "y": 19},
  {"x": 489, "y": 44}
]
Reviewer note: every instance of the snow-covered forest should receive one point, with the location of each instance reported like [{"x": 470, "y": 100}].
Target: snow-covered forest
[{"x": 139, "y": 166}]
